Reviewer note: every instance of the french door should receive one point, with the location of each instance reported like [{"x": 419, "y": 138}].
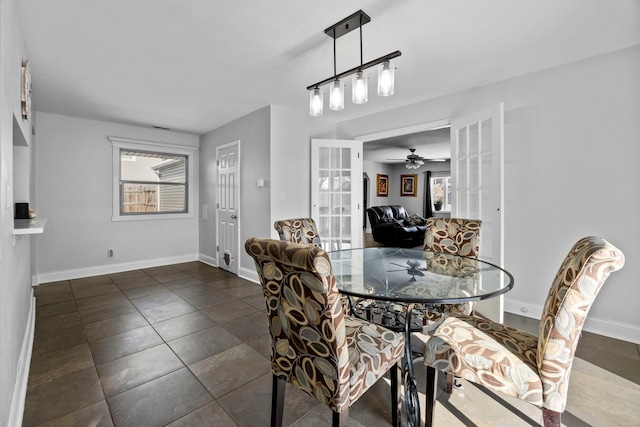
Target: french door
[
  {"x": 477, "y": 174},
  {"x": 336, "y": 192}
]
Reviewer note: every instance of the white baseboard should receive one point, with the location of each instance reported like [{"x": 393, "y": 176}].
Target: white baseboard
[
  {"x": 208, "y": 260},
  {"x": 248, "y": 274},
  {"x": 621, "y": 331},
  {"x": 243, "y": 273},
  {"x": 24, "y": 362},
  {"x": 113, "y": 268}
]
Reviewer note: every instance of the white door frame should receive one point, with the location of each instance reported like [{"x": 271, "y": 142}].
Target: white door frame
[{"x": 404, "y": 130}]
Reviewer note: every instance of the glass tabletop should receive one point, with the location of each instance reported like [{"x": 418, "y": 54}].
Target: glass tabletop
[{"x": 414, "y": 275}]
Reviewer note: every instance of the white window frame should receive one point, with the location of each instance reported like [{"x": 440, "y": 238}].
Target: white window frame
[{"x": 159, "y": 147}]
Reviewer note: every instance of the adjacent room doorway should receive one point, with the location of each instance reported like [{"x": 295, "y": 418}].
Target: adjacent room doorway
[{"x": 477, "y": 174}]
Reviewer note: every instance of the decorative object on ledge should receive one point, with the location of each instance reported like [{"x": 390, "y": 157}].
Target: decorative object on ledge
[
  {"x": 438, "y": 197},
  {"x": 409, "y": 185},
  {"x": 25, "y": 92},
  {"x": 382, "y": 185},
  {"x": 360, "y": 95}
]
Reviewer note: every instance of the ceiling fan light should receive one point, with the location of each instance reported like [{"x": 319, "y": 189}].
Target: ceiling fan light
[
  {"x": 316, "y": 101},
  {"x": 360, "y": 88},
  {"x": 386, "y": 78},
  {"x": 336, "y": 95}
]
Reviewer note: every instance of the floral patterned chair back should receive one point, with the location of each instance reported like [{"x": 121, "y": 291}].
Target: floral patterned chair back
[
  {"x": 456, "y": 236},
  {"x": 574, "y": 289},
  {"x": 304, "y": 231},
  {"x": 314, "y": 346},
  {"x": 298, "y": 230},
  {"x": 511, "y": 361},
  {"x": 453, "y": 235}
]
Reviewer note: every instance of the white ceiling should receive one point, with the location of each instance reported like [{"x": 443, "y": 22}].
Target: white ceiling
[{"x": 194, "y": 65}]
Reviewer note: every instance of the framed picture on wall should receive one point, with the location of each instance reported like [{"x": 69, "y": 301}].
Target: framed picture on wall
[
  {"x": 382, "y": 185},
  {"x": 409, "y": 185}
]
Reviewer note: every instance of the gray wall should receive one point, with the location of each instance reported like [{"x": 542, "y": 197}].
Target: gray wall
[
  {"x": 74, "y": 185},
  {"x": 253, "y": 133},
  {"x": 291, "y": 134},
  {"x": 571, "y": 154},
  {"x": 275, "y": 146},
  {"x": 16, "y": 296}
]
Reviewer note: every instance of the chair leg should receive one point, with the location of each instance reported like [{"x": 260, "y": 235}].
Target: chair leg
[
  {"x": 551, "y": 418},
  {"x": 340, "y": 419},
  {"x": 396, "y": 400},
  {"x": 450, "y": 380},
  {"x": 430, "y": 404},
  {"x": 277, "y": 401}
]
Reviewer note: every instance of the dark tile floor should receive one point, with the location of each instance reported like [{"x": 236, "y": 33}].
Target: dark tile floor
[{"x": 187, "y": 345}]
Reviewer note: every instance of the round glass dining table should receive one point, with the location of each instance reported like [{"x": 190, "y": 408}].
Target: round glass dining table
[
  {"x": 416, "y": 276},
  {"x": 384, "y": 284}
]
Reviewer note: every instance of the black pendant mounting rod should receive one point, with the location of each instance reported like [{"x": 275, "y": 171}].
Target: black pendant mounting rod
[{"x": 369, "y": 64}]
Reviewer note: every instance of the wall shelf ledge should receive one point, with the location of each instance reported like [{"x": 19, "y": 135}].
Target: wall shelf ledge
[{"x": 28, "y": 226}]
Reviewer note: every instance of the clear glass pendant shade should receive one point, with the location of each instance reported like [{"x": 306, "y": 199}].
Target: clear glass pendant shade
[
  {"x": 316, "y": 101},
  {"x": 386, "y": 78},
  {"x": 336, "y": 95},
  {"x": 360, "y": 88}
]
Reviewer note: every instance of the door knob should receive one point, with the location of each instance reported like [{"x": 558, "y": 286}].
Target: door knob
[{"x": 234, "y": 216}]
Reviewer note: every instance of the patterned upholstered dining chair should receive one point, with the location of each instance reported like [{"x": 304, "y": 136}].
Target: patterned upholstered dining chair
[
  {"x": 456, "y": 236},
  {"x": 333, "y": 357},
  {"x": 507, "y": 360},
  {"x": 298, "y": 230},
  {"x": 305, "y": 232}
]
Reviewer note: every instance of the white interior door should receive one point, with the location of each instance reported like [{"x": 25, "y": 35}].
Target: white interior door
[
  {"x": 227, "y": 209},
  {"x": 336, "y": 192},
  {"x": 477, "y": 174}
]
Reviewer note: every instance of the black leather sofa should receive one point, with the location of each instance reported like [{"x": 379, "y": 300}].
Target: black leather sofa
[{"x": 392, "y": 226}]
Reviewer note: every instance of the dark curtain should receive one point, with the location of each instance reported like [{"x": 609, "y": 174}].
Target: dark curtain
[{"x": 428, "y": 210}]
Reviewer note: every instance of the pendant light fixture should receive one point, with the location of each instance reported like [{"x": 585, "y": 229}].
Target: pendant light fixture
[
  {"x": 336, "y": 89},
  {"x": 386, "y": 77},
  {"x": 336, "y": 95},
  {"x": 316, "y": 100},
  {"x": 360, "y": 83},
  {"x": 360, "y": 88}
]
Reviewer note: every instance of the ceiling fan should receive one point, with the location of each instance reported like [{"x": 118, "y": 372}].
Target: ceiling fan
[{"x": 413, "y": 161}]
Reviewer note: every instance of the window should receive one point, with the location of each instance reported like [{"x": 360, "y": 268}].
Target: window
[
  {"x": 441, "y": 193},
  {"x": 151, "y": 180}
]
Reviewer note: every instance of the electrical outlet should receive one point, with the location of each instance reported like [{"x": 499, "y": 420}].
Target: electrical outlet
[{"x": 110, "y": 253}]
